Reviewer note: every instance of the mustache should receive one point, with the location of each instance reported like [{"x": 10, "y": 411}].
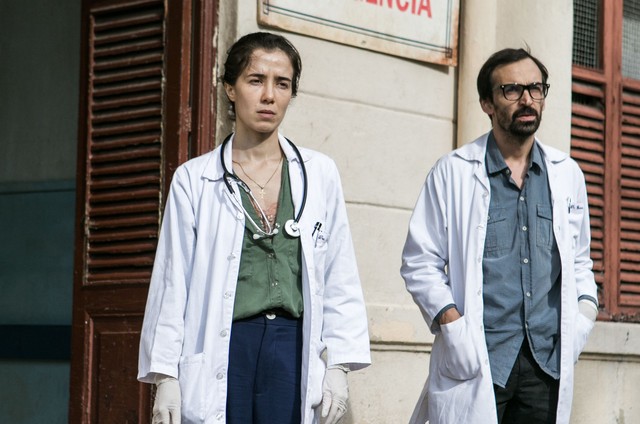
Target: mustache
[{"x": 526, "y": 110}]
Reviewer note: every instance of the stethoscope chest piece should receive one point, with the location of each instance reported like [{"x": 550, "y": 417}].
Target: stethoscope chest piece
[{"x": 292, "y": 228}]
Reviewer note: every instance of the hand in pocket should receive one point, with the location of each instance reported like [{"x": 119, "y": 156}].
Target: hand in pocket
[{"x": 461, "y": 361}]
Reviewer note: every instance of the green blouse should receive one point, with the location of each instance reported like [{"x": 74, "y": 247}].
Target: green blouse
[{"x": 270, "y": 268}]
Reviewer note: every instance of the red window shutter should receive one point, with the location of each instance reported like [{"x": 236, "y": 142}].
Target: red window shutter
[
  {"x": 629, "y": 291},
  {"x": 144, "y": 64},
  {"x": 134, "y": 99},
  {"x": 587, "y": 148},
  {"x": 124, "y": 160}
]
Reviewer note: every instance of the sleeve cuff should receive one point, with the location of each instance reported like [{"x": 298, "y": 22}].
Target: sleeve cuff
[{"x": 436, "y": 319}]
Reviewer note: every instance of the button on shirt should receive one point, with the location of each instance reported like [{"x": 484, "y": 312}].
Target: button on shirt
[{"x": 521, "y": 267}]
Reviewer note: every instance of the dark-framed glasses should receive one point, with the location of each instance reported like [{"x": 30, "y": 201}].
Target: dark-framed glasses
[{"x": 514, "y": 91}]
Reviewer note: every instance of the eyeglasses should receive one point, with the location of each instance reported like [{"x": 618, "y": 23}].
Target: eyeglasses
[{"x": 514, "y": 91}]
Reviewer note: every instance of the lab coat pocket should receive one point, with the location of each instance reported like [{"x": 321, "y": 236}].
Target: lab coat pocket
[
  {"x": 192, "y": 388},
  {"x": 461, "y": 361},
  {"x": 583, "y": 327}
]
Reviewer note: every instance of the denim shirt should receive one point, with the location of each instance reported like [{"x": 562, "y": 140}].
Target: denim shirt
[{"x": 521, "y": 268}]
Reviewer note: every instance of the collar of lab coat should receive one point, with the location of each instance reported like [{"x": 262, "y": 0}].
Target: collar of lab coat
[
  {"x": 213, "y": 171},
  {"x": 476, "y": 150}
]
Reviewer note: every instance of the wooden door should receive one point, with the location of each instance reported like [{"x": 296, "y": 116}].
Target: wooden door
[{"x": 146, "y": 74}]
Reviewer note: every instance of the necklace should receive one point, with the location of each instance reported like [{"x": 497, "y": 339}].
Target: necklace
[{"x": 262, "y": 186}]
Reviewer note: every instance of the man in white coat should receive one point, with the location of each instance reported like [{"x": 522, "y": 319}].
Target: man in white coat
[{"x": 497, "y": 259}]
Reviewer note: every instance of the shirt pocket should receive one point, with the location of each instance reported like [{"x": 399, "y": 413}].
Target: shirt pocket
[
  {"x": 498, "y": 236},
  {"x": 544, "y": 226}
]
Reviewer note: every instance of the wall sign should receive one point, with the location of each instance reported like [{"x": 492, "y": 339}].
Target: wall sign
[{"x": 425, "y": 30}]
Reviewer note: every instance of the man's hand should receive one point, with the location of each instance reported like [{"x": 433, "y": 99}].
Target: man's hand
[
  {"x": 449, "y": 315},
  {"x": 335, "y": 392},
  {"x": 166, "y": 408}
]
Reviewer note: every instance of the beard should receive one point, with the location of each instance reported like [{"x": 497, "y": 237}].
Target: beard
[
  {"x": 518, "y": 130},
  {"x": 524, "y": 129}
]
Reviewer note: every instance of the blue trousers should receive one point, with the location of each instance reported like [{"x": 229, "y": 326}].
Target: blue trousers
[
  {"x": 530, "y": 396},
  {"x": 265, "y": 362}
]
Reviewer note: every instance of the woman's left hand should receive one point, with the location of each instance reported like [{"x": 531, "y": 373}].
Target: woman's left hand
[{"x": 335, "y": 393}]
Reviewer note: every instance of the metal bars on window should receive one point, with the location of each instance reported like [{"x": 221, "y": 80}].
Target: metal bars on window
[
  {"x": 631, "y": 39},
  {"x": 587, "y": 45}
]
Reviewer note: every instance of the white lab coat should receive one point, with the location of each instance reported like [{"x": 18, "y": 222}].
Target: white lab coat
[
  {"x": 188, "y": 317},
  {"x": 442, "y": 264}
]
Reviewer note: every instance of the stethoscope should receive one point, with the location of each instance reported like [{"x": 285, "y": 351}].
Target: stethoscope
[{"x": 292, "y": 226}]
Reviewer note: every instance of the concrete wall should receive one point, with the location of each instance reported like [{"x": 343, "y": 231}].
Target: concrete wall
[{"x": 385, "y": 121}]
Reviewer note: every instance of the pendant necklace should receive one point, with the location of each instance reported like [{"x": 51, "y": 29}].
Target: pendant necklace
[{"x": 261, "y": 186}]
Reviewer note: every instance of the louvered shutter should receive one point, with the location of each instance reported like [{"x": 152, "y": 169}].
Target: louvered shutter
[
  {"x": 606, "y": 143},
  {"x": 132, "y": 134},
  {"x": 629, "y": 291},
  {"x": 124, "y": 161},
  {"x": 587, "y": 148}
]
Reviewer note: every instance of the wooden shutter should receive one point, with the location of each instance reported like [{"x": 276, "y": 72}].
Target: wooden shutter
[
  {"x": 124, "y": 160},
  {"x": 629, "y": 291},
  {"x": 605, "y": 140},
  {"x": 588, "y": 148},
  {"x": 134, "y": 130}
]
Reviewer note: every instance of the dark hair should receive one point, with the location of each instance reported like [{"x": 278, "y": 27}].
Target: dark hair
[
  {"x": 239, "y": 56},
  {"x": 499, "y": 58}
]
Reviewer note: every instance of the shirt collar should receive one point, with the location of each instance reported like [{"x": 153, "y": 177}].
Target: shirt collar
[{"x": 496, "y": 163}]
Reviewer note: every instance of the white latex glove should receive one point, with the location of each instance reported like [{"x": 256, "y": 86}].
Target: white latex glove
[
  {"x": 588, "y": 309},
  {"x": 166, "y": 408},
  {"x": 335, "y": 392}
]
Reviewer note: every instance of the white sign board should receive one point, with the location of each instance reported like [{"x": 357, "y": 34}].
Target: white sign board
[{"x": 425, "y": 30}]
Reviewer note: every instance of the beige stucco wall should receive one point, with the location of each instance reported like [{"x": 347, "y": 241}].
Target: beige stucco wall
[{"x": 385, "y": 121}]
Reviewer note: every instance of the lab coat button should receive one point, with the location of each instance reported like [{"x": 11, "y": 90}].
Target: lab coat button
[
  {"x": 219, "y": 416},
  {"x": 220, "y": 375},
  {"x": 227, "y": 295},
  {"x": 239, "y": 215},
  {"x": 231, "y": 256},
  {"x": 224, "y": 333},
  {"x": 479, "y": 260}
]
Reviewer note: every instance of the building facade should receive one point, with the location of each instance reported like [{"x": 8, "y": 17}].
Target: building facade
[{"x": 133, "y": 86}]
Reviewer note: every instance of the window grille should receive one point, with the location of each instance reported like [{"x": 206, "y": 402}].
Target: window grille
[
  {"x": 586, "y": 42},
  {"x": 631, "y": 39}
]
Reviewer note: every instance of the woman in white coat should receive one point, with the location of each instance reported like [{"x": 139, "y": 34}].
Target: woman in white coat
[{"x": 255, "y": 312}]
